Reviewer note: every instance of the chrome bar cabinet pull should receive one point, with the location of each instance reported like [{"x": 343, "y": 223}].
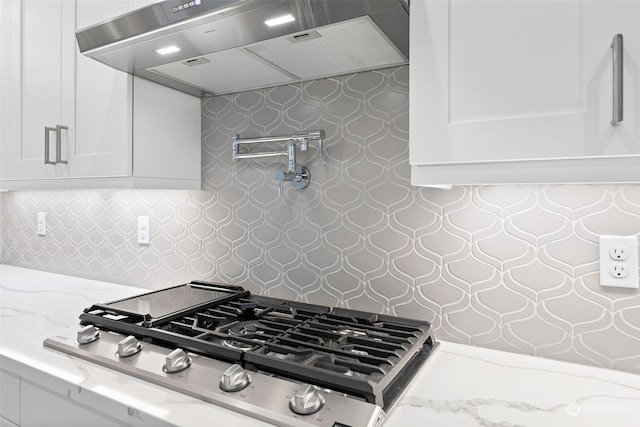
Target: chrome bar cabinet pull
[
  {"x": 59, "y": 129},
  {"x": 47, "y": 151},
  {"x": 616, "y": 45},
  {"x": 47, "y": 130}
]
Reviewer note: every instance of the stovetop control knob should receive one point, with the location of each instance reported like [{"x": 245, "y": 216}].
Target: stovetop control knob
[
  {"x": 176, "y": 361},
  {"x": 234, "y": 378},
  {"x": 88, "y": 334},
  {"x": 129, "y": 346},
  {"x": 306, "y": 401}
]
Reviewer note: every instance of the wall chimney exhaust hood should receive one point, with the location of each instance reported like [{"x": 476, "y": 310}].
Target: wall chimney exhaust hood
[{"x": 206, "y": 47}]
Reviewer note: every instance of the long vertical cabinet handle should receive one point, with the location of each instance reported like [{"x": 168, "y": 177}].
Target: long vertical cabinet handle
[
  {"x": 616, "y": 45},
  {"x": 47, "y": 131},
  {"x": 59, "y": 129}
]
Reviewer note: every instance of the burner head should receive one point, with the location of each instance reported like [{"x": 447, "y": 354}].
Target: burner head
[
  {"x": 251, "y": 329},
  {"x": 237, "y": 345},
  {"x": 248, "y": 330}
]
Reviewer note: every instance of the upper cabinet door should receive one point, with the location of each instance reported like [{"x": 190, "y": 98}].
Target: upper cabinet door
[
  {"x": 103, "y": 105},
  {"x": 42, "y": 85},
  {"x": 522, "y": 81}
]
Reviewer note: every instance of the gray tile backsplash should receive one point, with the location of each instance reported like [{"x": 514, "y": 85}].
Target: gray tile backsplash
[{"x": 507, "y": 267}]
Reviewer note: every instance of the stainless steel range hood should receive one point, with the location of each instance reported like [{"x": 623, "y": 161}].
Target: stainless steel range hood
[{"x": 226, "y": 45}]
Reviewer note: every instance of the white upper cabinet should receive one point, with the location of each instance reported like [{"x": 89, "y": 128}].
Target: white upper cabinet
[
  {"x": 86, "y": 110},
  {"x": 104, "y": 105},
  {"x": 42, "y": 89},
  {"x": 523, "y": 91}
]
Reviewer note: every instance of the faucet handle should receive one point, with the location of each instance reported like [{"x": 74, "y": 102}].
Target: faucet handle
[
  {"x": 299, "y": 179},
  {"x": 283, "y": 176}
]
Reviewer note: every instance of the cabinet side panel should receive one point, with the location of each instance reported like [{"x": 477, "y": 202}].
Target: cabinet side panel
[{"x": 166, "y": 132}]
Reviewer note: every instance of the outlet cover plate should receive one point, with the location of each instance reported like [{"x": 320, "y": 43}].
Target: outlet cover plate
[
  {"x": 630, "y": 245},
  {"x": 143, "y": 230}
]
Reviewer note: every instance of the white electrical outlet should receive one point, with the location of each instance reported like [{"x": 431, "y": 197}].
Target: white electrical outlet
[
  {"x": 618, "y": 270},
  {"x": 619, "y": 261},
  {"x": 42, "y": 224},
  {"x": 143, "y": 230},
  {"x": 618, "y": 252}
]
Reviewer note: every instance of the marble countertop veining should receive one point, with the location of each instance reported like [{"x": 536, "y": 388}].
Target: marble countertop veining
[
  {"x": 458, "y": 386},
  {"x": 471, "y": 386}
]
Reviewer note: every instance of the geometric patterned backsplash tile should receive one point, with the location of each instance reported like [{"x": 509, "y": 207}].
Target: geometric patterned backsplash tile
[{"x": 507, "y": 267}]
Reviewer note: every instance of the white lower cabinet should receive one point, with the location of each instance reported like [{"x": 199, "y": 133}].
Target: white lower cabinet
[
  {"x": 9, "y": 399},
  {"x": 26, "y": 404},
  {"x": 41, "y": 407}
]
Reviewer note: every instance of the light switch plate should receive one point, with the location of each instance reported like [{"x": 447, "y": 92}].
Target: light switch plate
[
  {"x": 143, "y": 230},
  {"x": 619, "y": 261},
  {"x": 42, "y": 224}
]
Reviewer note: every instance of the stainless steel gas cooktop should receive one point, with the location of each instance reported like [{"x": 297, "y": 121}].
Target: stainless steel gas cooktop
[{"x": 280, "y": 361}]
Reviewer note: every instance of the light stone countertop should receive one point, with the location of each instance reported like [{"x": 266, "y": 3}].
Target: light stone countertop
[{"x": 458, "y": 386}]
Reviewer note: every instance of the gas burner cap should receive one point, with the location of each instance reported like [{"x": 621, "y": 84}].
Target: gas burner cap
[
  {"x": 249, "y": 327},
  {"x": 237, "y": 345}
]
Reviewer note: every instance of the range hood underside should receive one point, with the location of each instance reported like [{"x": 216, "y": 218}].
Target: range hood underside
[
  {"x": 217, "y": 58},
  {"x": 352, "y": 46}
]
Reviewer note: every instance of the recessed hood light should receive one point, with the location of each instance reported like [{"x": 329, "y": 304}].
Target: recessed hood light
[
  {"x": 167, "y": 50},
  {"x": 279, "y": 20}
]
